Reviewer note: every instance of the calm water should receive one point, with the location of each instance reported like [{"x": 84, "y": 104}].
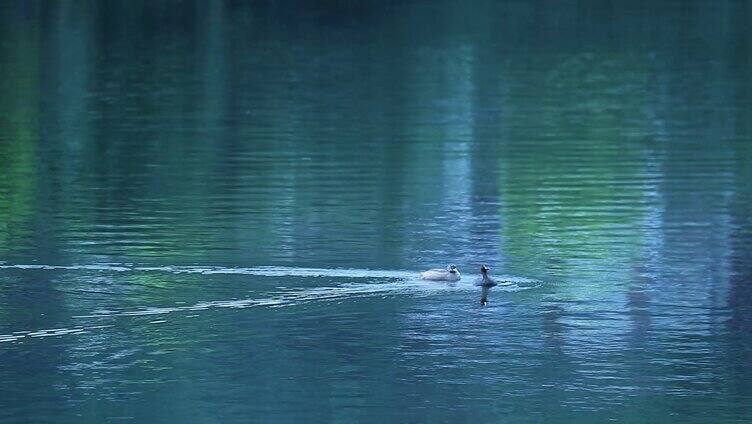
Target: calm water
[{"x": 215, "y": 212}]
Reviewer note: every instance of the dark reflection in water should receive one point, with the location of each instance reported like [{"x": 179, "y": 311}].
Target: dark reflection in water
[
  {"x": 225, "y": 206},
  {"x": 484, "y": 290}
]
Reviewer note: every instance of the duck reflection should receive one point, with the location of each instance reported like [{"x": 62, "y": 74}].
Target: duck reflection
[{"x": 484, "y": 295}]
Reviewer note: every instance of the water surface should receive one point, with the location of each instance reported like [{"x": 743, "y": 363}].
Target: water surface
[{"x": 216, "y": 211}]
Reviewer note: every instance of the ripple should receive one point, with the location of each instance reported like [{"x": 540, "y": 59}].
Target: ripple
[
  {"x": 402, "y": 283},
  {"x": 266, "y": 271}
]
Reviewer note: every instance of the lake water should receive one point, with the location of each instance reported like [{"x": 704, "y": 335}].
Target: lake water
[{"x": 216, "y": 212}]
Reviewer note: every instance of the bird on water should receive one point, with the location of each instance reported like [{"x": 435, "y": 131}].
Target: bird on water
[
  {"x": 486, "y": 283},
  {"x": 450, "y": 273}
]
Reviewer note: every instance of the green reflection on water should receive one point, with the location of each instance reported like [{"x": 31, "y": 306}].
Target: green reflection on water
[
  {"x": 19, "y": 108},
  {"x": 602, "y": 149}
]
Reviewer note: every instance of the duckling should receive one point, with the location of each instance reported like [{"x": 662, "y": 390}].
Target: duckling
[
  {"x": 451, "y": 273},
  {"x": 487, "y": 281}
]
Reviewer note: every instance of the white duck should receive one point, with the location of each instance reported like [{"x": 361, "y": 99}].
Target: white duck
[{"x": 451, "y": 273}]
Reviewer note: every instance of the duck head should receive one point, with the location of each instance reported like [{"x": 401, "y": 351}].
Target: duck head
[
  {"x": 452, "y": 269},
  {"x": 484, "y": 269}
]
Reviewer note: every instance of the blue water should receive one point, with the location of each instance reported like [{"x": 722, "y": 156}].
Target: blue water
[{"x": 218, "y": 211}]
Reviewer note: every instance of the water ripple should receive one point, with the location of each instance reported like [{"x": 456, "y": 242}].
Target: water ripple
[{"x": 400, "y": 283}]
